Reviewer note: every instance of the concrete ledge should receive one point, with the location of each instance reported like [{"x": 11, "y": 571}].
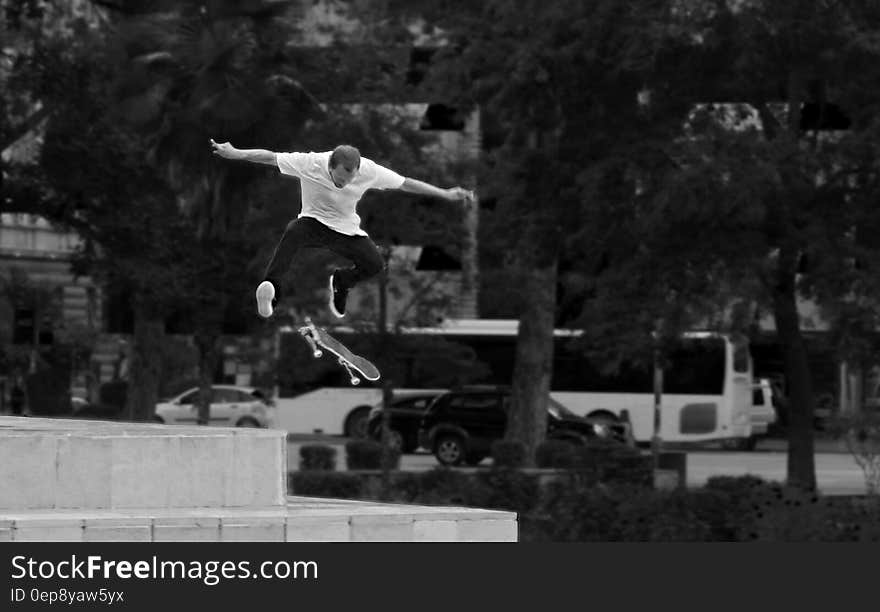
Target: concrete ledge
[
  {"x": 65, "y": 463},
  {"x": 90, "y": 481},
  {"x": 299, "y": 520}
]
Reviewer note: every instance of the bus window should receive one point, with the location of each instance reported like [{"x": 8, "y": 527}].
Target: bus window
[
  {"x": 696, "y": 368},
  {"x": 574, "y": 371}
]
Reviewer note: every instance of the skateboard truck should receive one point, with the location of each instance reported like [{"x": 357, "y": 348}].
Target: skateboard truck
[
  {"x": 306, "y": 333},
  {"x": 355, "y": 379}
]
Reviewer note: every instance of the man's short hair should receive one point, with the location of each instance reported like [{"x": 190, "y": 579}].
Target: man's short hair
[{"x": 346, "y": 155}]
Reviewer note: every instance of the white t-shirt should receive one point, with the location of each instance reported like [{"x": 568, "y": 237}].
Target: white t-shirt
[{"x": 324, "y": 201}]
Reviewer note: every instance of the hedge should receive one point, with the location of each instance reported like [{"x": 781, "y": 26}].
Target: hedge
[
  {"x": 317, "y": 457},
  {"x": 573, "y": 509},
  {"x": 370, "y": 455}
]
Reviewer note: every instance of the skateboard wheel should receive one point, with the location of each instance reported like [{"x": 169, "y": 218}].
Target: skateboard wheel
[
  {"x": 355, "y": 381},
  {"x": 317, "y": 354}
]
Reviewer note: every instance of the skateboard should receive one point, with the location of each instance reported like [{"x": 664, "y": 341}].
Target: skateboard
[{"x": 318, "y": 339}]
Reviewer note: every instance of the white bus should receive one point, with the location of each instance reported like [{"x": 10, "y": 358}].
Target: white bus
[{"x": 707, "y": 384}]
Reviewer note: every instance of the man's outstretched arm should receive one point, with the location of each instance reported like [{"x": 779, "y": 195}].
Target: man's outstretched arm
[
  {"x": 452, "y": 194},
  {"x": 257, "y": 156}
]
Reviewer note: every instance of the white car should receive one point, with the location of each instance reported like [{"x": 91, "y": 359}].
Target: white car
[{"x": 231, "y": 406}]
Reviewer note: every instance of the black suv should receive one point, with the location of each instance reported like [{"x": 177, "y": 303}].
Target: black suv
[
  {"x": 460, "y": 426},
  {"x": 404, "y": 416}
]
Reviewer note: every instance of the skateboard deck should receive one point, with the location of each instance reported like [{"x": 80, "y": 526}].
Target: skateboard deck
[{"x": 318, "y": 338}]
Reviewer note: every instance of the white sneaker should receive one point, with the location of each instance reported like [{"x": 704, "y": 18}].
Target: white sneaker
[{"x": 265, "y": 295}]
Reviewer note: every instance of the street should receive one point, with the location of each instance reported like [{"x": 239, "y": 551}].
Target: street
[{"x": 836, "y": 472}]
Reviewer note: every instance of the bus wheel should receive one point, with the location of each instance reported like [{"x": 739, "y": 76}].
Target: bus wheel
[{"x": 356, "y": 423}]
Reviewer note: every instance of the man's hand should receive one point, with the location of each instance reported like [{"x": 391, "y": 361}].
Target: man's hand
[
  {"x": 224, "y": 149},
  {"x": 457, "y": 194}
]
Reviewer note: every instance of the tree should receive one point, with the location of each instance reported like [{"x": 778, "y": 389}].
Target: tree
[
  {"x": 188, "y": 72},
  {"x": 772, "y": 196},
  {"x": 225, "y": 71},
  {"x": 22, "y": 26},
  {"x": 632, "y": 80},
  {"x": 812, "y": 189},
  {"x": 94, "y": 180},
  {"x": 89, "y": 167},
  {"x": 561, "y": 82}
]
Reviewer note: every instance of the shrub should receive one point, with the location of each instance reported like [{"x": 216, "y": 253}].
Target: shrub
[
  {"x": 317, "y": 457},
  {"x": 860, "y": 521},
  {"x": 322, "y": 483},
  {"x": 723, "y": 515},
  {"x": 442, "y": 487},
  {"x": 737, "y": 486},
  {"x": 508, "y": 454},
  {"x": 647, "y": 515},
  {"x": 599, "y": 451},
  {"x": 615, "y": 513},
  {"x": 788, "y": 514},
  {"x": 559, "y": 454},
  {"x": 629, "y": 469},
  {"x": 370, "y": 455},
  {"x": 407, "y": 486},
  {"x": 861, "y": 433},
  {"x": 757, "y": 510},
  {"x": 608, "y": 462},
  {"x": 573, "y": 514},
  {"x": 728, "y": 509},
  {"x": 505, "y": 490}
]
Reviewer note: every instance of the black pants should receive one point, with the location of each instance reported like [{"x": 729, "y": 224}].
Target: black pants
[{"x": 306, "y": 232}]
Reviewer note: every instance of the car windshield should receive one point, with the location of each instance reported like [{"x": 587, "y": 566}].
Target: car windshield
[{"x": 558, "y": 410}]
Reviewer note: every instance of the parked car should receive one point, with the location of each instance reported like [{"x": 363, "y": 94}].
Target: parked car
[
  {"x": 763, "y": 415},
  {"x": 460, "y": 426},
  {"x": 231, "y": 406},
  {"x": 405, "y": 415}
]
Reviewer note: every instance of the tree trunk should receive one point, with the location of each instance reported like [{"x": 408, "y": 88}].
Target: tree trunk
[
  {"x": 527, "y": 419},
  {"x": 801, "y": 461},
  {"x": 206, "y": 342},
  {"x": 34, "y": 360},
  {"x": 146, "y": 358},
  {"x": 384, "y": 365}
]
